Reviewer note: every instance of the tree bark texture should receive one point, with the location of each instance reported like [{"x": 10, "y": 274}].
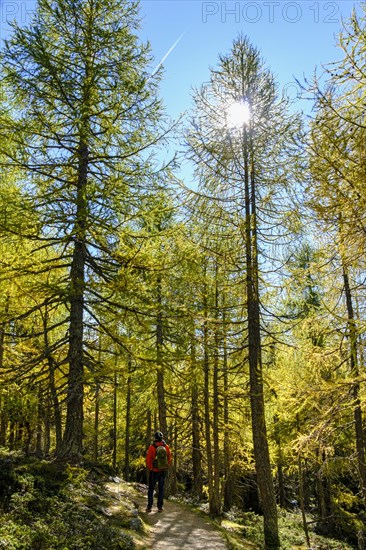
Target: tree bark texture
[
  {"x": 96, "y": 423},
  {"x": 72, "y": 444},
  {"x": 196, "y": 426},
  {"x": 115, "y": 418},
  {"x": 128, "y": 421},
  {"x": 206, "y": 370},
  {"x": 3, "y": 415},
  {"x": 228, "y": 490},
  {"x": 357, "y": 411},
  {"x": 52, "y": 385},
  {"x": 159, "y": 361},
  {"x": 260, "y": 441},
  {"x": 215, "y": 505}
]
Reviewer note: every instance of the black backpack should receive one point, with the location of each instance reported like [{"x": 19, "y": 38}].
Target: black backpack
[{"x": 161, "y": 457}]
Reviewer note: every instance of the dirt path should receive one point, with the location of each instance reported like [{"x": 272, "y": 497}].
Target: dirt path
[{"x": 177, "y": 528}]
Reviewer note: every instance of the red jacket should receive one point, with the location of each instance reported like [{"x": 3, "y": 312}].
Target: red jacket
[{"x": 151, "y": 453}]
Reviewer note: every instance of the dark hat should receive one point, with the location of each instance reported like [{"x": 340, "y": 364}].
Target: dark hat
[{"x": 158, "y": 436}]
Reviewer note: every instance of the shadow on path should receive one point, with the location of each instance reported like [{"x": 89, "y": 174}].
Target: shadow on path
[{"x": 177, "y": 528}]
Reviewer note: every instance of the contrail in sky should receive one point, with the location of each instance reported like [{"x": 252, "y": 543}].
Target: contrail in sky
[{"x": 168, "y": 52}]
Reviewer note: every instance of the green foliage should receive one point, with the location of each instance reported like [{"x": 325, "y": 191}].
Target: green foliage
[
  {"x": 348, "y": 519},
  {"x": 292, "y": 535},
  {"x": 65, "y": 526},
  {"x": 8, "y": 478},
  {"x": 51, "y": 507},
  {"x": 48, "y": 477},
  {"x": 245, "y": 530},
  {"x": 14, "y": 536},
  {"x": 76, "y": 475},
  {"x": 252, "y": 527}
]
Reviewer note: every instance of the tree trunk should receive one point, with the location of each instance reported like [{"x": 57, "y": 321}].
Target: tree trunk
[
  {"x": 325, "y": 501},
  {"x": 301, "y": 491},
  {"x": 260, "y": 441},
  {"x": 301, "y": 499},
  {"x": 159, "y": 360},
  {"x": 115, "y": 409},
  {"x": 228, "y": 490},
  {"x": 281, "y": 486},
  {"x": 215, "y": 501},
  {"x": 196, "y": 425},
  {"x": 11, "y": 435},
  {"x": 72, "y": 444},
  {"x": 56, "y": 405},
  {"x": 174, "y": 469},
  {"x": 3, "y": 416},
  {"x": 2, "y": 334},
  {"x": 3, "y": 421},
  {"x": 19, "y": 435},
  {"x": 52, "y": 385},
  {"x": 206, "y": 370},
  {"x": 39, "y": 430},
  {"x": 148, "y": 437},
  {"x": 28, "y": 435},
  {"x": 47, "y": 429},
  {"x": 357, "y": 411},
  {"x": 96, "y": 423},
  {"x": 128, "y": 420},
  {"x": 97, "y": 406}
]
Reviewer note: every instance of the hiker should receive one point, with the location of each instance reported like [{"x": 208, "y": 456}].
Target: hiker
[{"x": 158, "y": 459}]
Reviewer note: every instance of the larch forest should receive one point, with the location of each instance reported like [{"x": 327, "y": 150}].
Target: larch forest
[{"x": 229, "y": 315}]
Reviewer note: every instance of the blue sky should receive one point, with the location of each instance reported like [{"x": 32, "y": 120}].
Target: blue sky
[{"x": 294, "y": 37}]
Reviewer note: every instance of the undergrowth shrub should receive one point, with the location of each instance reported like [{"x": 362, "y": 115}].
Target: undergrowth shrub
[
  {"x": 8, "y": 478},
  {"x": 45, "y": 506}
]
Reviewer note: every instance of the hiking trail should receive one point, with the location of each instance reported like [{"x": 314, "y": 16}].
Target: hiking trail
[{"x": 177, "y": 528}]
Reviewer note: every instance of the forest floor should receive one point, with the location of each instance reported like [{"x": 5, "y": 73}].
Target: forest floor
[
  {"x": 48, "y": 506},
  {"x": 175, "y": 528},
  {"x": 181, "y": 526}
]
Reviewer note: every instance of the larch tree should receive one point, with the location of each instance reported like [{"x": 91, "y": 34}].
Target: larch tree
[
  {"x": 336, "y": 190},
  {"x": 214, "y": 306},
  {"x": 242, "y": 164},
  {"x": 86, "y": 115}
]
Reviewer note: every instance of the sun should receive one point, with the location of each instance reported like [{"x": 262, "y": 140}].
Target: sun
[{"x": 238, "y": 114}]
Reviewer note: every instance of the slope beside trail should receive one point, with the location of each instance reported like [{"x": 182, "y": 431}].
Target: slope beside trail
[{"x": 177, "y": 528}]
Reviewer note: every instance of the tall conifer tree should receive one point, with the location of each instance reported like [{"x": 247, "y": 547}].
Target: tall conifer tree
[
  {"x": 242, "y": 165},
  {"x": 87, "y": 111}
]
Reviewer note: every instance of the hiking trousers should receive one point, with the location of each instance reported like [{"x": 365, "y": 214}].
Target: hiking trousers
[{"x": 154, "y": 477}]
